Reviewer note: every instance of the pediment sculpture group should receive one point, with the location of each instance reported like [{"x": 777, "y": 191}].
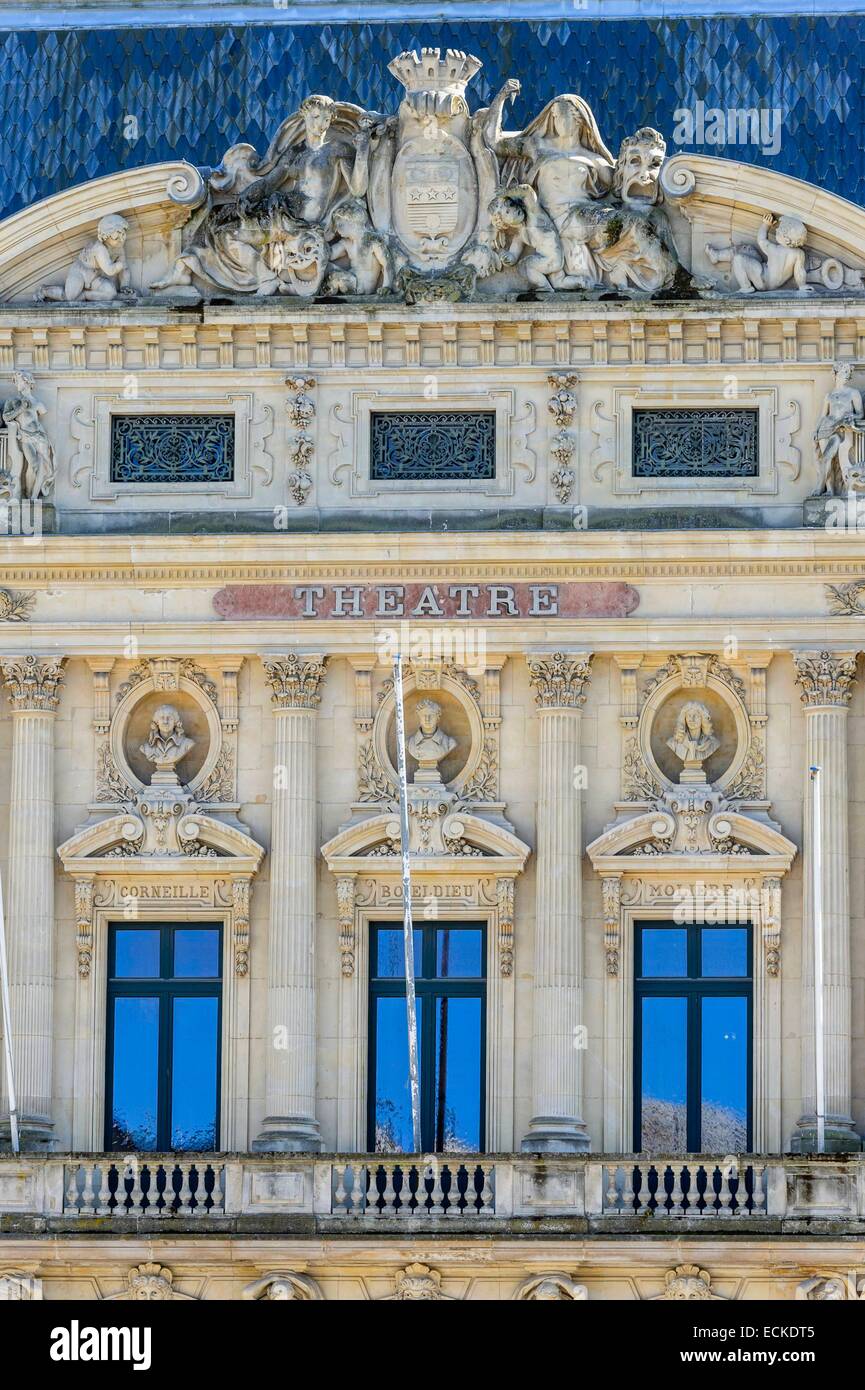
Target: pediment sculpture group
[{"x": 437, "y": 202}]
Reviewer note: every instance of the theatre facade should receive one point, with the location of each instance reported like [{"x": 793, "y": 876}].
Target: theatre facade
[{"x": 575, "y": 425}]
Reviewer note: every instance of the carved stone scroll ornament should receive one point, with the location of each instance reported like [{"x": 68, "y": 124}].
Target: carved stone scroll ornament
[
  {"x": 149, "y": 1283},
  {"x": 611, "y": 890},
  {"x": 562, "y": 406},
  {"x": 847, "y": 600},
  {"x": 688, "y": 1282},
  {"x": 560, "y": 681},
  {"x": 830, "y": 1288},
  {"x": 345, "y": 899},
  {"x": 33, "y": 682},
  {"x": 554, "y": 1287},
  {"x": 505, "y": 901},
  {"x": 417, "y": 1283},
  {"x": 283, "y": 1286},
  {"x": 240, "y": 895},
  {"x": 84, "y": 924}
]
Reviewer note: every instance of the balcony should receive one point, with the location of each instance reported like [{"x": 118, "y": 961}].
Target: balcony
[{"x": 494, "y": 1194}]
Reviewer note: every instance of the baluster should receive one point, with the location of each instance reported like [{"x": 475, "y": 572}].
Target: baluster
[
  {"x": 677, "y": 1195},
  {"x": 611, "y": 1191},
  {"x": 134, "y": 1194},
  {"x": 436, "y": 1195},
  {"x": 200, "y": 1193},
  {"x": 487, "y": 1196},
  {"x": 454, "y": 1205},
  {"x": 340, "y": 1200},
  {"x": 388, "y": 1193},
  {"x": 725, "y": 1193},
  {"x": 184, "y": 1196},
  {"x": 70, "y": 1197},
  {"x": 363, "y": 1189},
  {"x": 632, "y": 1202},
  {"x": 102, "y": 1190},
  {"x": 758, "y": 1195},
  {"x": 89, "y": 1194}
]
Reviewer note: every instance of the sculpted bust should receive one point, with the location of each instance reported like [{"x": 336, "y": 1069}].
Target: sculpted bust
[
  {"x": 430, "y": 744},
  {"x": 167, "y": 742},
  {"x": 693, "y": 740}
]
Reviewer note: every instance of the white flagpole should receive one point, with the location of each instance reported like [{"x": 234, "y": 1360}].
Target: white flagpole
[
  {"x": 7, "y": 1035},
  {"x": 817, "y": 916},
  {"x": 408, "y": 931}
]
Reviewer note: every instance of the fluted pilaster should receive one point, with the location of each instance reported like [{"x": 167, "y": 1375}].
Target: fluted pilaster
[
  {"x": 560, "y": 683},
  {"x": 295, "y": 684},
  {"x": 33, "y": 684},
  {"x": 826, "y": 680}
]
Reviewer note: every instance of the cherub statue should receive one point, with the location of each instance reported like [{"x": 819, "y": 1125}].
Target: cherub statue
[
  {"x": 430, "y": 744},
  {"x": 518, "y": 218},
  {"x": 100, "y": 272},
  {"x": 769, "y": 264},
  {"x": 842, "y": 407},
  {"x": 693, "y": 740},
  {"x": 167, "y": 743},
  {"x": 32, "y": 465},
  {"x": 370, "y": 264}
]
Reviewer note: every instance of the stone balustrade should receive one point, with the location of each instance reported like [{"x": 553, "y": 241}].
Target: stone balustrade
[{"x": 592, "y": 1193}]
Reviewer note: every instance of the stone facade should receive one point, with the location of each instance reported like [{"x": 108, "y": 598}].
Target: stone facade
[{"x": 617, "y": 678}]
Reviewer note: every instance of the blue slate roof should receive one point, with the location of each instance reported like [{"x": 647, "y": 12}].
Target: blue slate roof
[{"x": 66, "y": 95}]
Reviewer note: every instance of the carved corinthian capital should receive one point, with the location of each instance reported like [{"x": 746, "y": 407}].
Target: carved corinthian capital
[
  {"x": 295, "y": 681},
  {"x": 33, "y": 682},
  {"x": 826, "y": 678},
  {"x": 560, "y": 680}
]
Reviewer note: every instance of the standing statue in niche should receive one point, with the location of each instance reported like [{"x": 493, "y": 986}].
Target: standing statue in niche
[
  {"x": 430, "y": 744},
  {"x": 842, "y": 412},
  {"x": 167, "y": 743},
  {"x": 31, "y": 463},
  {"x": 693, "y": 740}
]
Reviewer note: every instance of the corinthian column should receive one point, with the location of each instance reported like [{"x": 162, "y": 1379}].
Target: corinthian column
[
  {"x": 557, "y": 1126},
  {"x": 826, "y": 680},
  {"x": 295, "y": 686},
  {"x": 33, "y": 684}
]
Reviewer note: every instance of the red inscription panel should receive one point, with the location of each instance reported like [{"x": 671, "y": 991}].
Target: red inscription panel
[{"x": 383, "y": 602}]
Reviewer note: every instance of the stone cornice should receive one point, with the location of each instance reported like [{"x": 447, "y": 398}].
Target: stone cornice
[
  {"x": 295, "y": 681},
  {"x": 560, "y": 680},
  {"x": 33, "y": 682},
  {"x": 826, "y": 678}
]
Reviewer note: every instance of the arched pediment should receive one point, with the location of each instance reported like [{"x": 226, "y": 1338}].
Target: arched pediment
[
  {"x": 725, "y": 199},
  {"x": 733, "y": 833},
  {"x": 39, "y": 243},
  {"x": 123, "y": 837},
  {"x": 469, "y": 838}
]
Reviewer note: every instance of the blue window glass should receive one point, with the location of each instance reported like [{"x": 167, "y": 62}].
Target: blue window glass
[
  {"x": 389, "y": 958},
  {"x": 725, "y": 951},
  {"x": 664, "y": 1079},
  {"x": 194, "y": 1052},
  {"x": 163, "y": 1038},
  {"x": 196, "y": 952},
  {"x": 450, "y": 987},
  {"x": 665, "y": 951},
  {"x": 724, "y": 1074},
  {"x": 136, "y": 954},
  {"x": 135, "y": 1073},
  {"x": 692, "y": 1038}
]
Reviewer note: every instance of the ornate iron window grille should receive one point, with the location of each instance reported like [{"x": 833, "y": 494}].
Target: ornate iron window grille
[
  {"x": 170, "y": 449},
  {"x": 433, "y": 445},
  {"x": 695, "y": 443}
]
